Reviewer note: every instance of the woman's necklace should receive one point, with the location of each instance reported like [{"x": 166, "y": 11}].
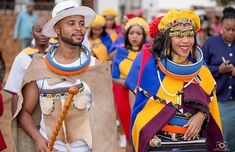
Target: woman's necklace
[
  {"x": 179, "y": 94},
  {"x": 135, "y": 48}
]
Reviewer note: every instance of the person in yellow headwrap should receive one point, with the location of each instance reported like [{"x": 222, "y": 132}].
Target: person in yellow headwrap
[
  {"x": 136, "y": 30},
  {"x": 176, "y": 105},
  {"x": 100, "y": 41},
  {"x": 111, "y": 27}
]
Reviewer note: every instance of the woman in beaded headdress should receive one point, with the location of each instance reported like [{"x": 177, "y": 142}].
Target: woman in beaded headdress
[
  {"x": 111, "y": 27},
  {"x": 175, "y": 91},
  {"x": 136, "y": 30},
  {"x": 100, "y": 41}
]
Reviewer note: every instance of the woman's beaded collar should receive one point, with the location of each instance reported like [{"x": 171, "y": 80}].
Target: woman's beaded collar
[{"x": 178, "y": 71}]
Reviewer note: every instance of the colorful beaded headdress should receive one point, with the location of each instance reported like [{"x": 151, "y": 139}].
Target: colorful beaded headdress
[
  {"x": 137, "y": 21},
  {"x": 180, "y": 22}
]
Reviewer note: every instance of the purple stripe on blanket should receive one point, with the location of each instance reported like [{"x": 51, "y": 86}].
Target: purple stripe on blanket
[{"x": 153, "y": 126}]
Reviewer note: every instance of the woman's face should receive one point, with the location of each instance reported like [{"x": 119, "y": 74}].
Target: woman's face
[
  {"x": 135, "y": 35},
  {"x": 110, "y": 20},
  {"x": 228, "y": 30},
  {"x": 182, "y": 45},
  {"x": 97, "y": 31}
]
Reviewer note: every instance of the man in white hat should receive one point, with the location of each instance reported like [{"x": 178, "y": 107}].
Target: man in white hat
[{"x": 88, "y": 124}]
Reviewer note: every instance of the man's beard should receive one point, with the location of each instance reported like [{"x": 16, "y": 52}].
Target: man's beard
[{"x": 70, "y": 40}]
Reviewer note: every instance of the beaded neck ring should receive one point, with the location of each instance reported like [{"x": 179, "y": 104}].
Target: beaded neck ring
[
  {"x": 182, "y": 72},
  {"x": 135, "y": 48},
  {"x": 58, "y": 69},
  {"x": 178, "y": 71}
]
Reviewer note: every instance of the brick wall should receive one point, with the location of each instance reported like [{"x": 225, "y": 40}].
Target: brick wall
[{"x": 9, "y": 47}]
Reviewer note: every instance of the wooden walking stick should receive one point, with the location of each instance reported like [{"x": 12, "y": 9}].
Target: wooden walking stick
[{"x": 73, "y": 90}]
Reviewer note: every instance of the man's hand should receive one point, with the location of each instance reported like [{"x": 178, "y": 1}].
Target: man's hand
[
  {"x": 233, "y": 72},
  {"x": 41, "y": 145},
  {"x": 225, "y": 67}
]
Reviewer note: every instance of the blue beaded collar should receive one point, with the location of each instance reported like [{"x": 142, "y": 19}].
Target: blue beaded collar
[
  {"x": 67, "y": 70},
  {"x": 179, "y": 71}
]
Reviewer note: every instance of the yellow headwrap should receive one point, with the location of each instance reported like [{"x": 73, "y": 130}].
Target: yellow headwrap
[
  {"x": 173, "y": 18},
  {"x": 137, "y": 21},
  {"x": 99, "y": 21},
  {"x": 109, "y": 11}
]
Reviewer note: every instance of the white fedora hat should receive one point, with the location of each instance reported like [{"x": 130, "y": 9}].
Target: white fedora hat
[{"x": 65, "y": 9}]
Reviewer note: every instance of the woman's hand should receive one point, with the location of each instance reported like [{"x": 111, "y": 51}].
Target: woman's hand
[
  {"x": 194, "y": 125},
  {"x": 155, "y": 141}
]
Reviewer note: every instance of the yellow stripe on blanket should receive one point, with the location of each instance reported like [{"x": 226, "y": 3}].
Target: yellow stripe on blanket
[{"x": 150, "y": 110}]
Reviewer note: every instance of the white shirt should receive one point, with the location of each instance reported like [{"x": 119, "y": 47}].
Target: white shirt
[
  {"x": 16, "y": 75},
  {"x": 78, "y": 145}
]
